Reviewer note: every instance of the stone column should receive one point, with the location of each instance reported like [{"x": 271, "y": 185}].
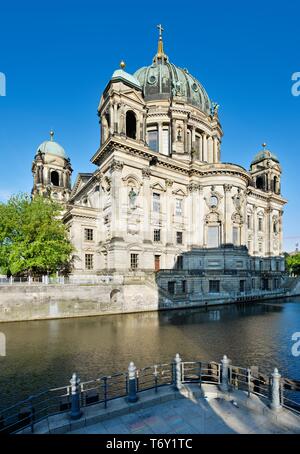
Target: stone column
[
  {"x": 200, "y": 153},
  {"x": 169, "y": 213},
  {"x": 160, "y": 138},
  {"x": 118, "y": 227},
  {"x": 146, "y": 204},
  {"x": 186, "y": 144},
  {"x": 200, "y": 218},
  {"x": 111, "y": 117},
  {"x": 204, "y": 146},
  {"x": 227, "y": 231},
  {"x": 254, "y": 225},
  {"x": 268, "y": 227},
  {"x": 193, "y": 216},
  {"x": 193, "y": 147},
  {"x": 210, "y": 150},
  {"x": 215, "y": 149},
  {"x": 116, "y": 125},
  {"x": 138, "y": 130}
]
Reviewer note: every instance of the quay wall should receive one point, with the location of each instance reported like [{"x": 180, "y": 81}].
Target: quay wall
[{"x": 22, "y": 302}]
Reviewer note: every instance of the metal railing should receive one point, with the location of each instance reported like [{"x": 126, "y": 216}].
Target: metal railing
[{"x": 102, "y": 390}]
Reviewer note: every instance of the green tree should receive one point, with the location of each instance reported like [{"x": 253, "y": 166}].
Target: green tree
[
  {"x": 293, "y": 264},
  {"x": 33, "y": 238}
]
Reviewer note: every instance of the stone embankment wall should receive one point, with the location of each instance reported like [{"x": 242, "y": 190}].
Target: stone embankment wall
[{"x": 21, "y": 302}]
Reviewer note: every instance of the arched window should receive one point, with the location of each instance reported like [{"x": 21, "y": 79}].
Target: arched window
[
  {"x": 260, "y": 182},
  {"x": 275, "y": 185},
  {"x": 55, "y": 178},
  {"x": 130, "y": 124}
]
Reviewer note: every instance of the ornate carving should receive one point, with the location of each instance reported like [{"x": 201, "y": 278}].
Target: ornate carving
[
  {"x": 237, "y": 218},
  {"x": 227, "y": 187},
  {"x": 169, "y": 183},
  {"x": 146, "y": 172},
  {"x": 212, "y": 217},
  {"x": 106, "y": 184},
  {"x": 116, "y": 166},
  {"x": 238, "y": 200},
  {"x": 192, "y": 187}
]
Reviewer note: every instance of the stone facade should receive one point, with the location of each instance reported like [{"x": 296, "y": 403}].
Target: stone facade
[{"x": 160, "y": 188}]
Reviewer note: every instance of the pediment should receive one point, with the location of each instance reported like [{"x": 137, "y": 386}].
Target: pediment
[
  {"x": 179, "y": 192},
  {"x": 133, "y": 95},
  {"x": 157, "y": 187}
]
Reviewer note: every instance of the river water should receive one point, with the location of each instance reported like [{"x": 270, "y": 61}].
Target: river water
[{"x": 44, "y": 354}]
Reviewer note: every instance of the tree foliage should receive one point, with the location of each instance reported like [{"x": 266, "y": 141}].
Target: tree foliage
[
  {"x": 293, "y": 264},
  {"x": 33, "y": 238}
]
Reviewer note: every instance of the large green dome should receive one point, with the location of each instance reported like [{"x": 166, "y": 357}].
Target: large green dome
[{"x": 163, "y": 80}]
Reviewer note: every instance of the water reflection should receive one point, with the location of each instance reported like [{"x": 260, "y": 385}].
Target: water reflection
[{"x": 44, "y": 354}]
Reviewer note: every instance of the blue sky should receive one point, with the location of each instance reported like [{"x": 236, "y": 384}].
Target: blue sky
[{"x": 58, "y": 56}]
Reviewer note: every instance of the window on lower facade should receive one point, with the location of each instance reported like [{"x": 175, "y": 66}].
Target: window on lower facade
[
  {"x": 171, "y": 287},
  {"x": 260, "y": 248},
  {"x": 178, "y": 207},
  {"x": 253, "y": 284},
  {"x": 214, "y": 286},
  {"x": 134, "y": 261},
  {"x": 260, "y": 224},
  {"x": 156, "y": 202},
  {"x": 183, "y": 286},
  {"x": 89, "y": 261},
  {"x": 276, "y": 284},
  {"x": 213, "y": 236},
  {"x": 242, "y": 286},
  {"x": 156, "y": 235},
  {"x": 153, "y": 139},
  {"x": 277, "y": 266},
  {"x": 179, "y": 237},
  {"x": 179, "y": 262},
  {"x": 88, "y": 234}
]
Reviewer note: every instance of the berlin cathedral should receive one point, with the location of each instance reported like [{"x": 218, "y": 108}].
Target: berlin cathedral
[{"x": 160, "y": 197}]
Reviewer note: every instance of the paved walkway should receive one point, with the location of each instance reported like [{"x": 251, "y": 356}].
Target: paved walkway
[{"x": 210, "y": 415}]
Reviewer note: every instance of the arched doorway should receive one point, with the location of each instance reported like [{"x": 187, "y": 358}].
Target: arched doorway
[
  {"x": 55, "y": 178},
  {"x": 130, "y": 124},
  {"x": 260, "y": 182}
]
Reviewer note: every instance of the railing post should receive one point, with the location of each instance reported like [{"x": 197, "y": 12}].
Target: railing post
[
  {"x": 76, "y": 413},
  {"x": 249, "y": 381},
  {"x": 275, "y": 390},
  {"x": 178, "y": 377},
  {"x": 225, "y": 367},
  {"x": 132, "y": 383},
  {"x": 11, "y": 280},
  {"x": 155, "y": 378}
]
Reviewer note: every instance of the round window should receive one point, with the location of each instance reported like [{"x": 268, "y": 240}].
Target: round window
[{"x": 152, "y": 79}]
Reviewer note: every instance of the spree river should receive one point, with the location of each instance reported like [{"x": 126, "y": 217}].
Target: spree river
[{"x": 44, "y": 354}]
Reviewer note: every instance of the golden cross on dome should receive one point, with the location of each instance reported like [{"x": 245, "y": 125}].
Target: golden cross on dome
[
  {"x": 160, "y": 28},
  {"x": 51, "y": 135},
  {"x": 264, "y": 145}
]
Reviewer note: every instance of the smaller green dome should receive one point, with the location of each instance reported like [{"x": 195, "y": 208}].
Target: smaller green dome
[
  {"x": 122, "y": 75},
  {"x": 264, "y": 154},
  {"x": 51, "y": 147}
]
